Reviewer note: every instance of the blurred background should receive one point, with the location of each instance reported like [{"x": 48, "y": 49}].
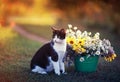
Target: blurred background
[
  {"x": 26, "y": 24},
  {"x": 89, "y": 13},
  {"x": 37, "y": 16}
]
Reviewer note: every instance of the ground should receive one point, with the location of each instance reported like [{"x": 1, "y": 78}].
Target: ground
[{"x": 16, "y": 53}]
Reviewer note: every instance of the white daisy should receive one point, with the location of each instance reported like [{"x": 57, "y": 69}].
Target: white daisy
[{"x": 82, "y": 59}]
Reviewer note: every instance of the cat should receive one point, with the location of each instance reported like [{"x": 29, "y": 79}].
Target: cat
[{"x": 50, "y": 56}]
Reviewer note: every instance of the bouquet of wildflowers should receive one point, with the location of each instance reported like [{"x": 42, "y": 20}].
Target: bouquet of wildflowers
[{"x": 85, "y": 43}]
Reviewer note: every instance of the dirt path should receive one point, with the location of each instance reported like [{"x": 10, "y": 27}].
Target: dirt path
[{"x": 29, "y": 35}]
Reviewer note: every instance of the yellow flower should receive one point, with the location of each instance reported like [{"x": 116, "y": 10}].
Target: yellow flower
[
  {"x": 76, "y": 48},
  {"x": 114, "y": 55},
  {"x": 83, "y": 50},
  {"x": 81, "y": 41},
  {"x": 110, "y": 58},
  {"x": 70, "y": 40}
]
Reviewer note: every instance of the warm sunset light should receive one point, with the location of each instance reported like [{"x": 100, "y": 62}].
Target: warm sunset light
[
  {"x": 84, "y": 45},
  {"x": 6, "y": 33}
]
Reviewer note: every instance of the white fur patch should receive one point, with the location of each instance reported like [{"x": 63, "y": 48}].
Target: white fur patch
[
  {"x": 62, "y": 66},
  {"x": 60, "y": 48},
  {"x": 50, "y": 66},
  {"x": 56, "y": 67},
  {"x": 40, "y": 70}
]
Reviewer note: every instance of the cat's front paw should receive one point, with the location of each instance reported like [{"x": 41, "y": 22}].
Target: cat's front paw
[
  {"x": 58, "y": 73},
  {"x": 42, "y": 72},
  {"x": 63, "y": 72}
]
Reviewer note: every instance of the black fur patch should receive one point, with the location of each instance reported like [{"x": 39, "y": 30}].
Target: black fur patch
[
  {"x": 60, "y": 33},
  {"x": 41, "y": 56}
]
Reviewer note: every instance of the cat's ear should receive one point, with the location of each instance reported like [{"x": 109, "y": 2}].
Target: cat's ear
[
  {"x": 63, "y": 30},
  {"x": 53, "y": 28}
]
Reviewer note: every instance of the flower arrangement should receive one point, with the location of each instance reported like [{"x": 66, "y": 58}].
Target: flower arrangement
[{"x": 86, "y": 43}]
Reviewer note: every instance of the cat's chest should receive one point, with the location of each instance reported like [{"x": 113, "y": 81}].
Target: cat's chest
[{"x": 60, "y": 48}]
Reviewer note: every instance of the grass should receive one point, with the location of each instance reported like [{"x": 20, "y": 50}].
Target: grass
[{"x": 15, "y": 56}]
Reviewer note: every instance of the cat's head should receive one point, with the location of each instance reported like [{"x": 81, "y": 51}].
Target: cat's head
[{"x": 59, "y": 35}]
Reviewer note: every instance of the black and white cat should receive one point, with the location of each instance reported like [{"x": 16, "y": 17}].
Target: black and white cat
[{"x": 50, "y": 56}]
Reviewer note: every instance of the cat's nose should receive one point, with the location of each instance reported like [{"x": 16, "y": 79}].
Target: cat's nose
[{"x": 55, "y": 40}]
